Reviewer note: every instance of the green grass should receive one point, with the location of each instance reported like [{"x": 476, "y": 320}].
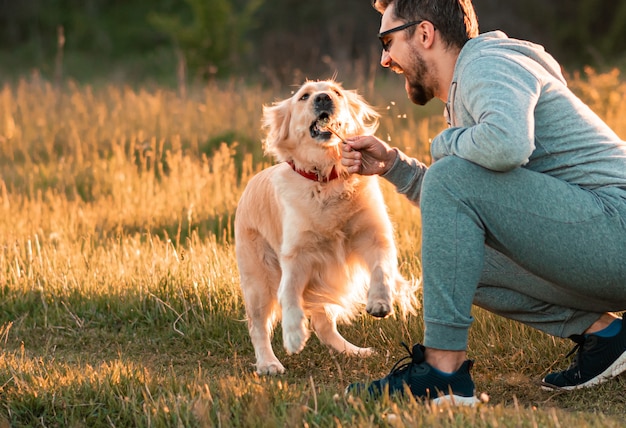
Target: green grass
[{"x": 120, "y": 292}]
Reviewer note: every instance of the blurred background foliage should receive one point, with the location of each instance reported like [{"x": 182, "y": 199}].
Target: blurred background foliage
[{"x": 276, "y": 42}]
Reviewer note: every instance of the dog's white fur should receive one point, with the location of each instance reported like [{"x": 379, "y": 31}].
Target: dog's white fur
[{"x": 310, "y": 249}]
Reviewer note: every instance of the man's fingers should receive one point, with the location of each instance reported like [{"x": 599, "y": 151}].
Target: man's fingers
[
  {"x": 350, "y": 153},
  {"x": 354, "y": 169},
  {"x": 357, "y": 143},
  {"x": 351, "y": 159}
]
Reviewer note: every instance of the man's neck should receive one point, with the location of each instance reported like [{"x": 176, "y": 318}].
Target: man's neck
[{"x": 446, "y": 65}]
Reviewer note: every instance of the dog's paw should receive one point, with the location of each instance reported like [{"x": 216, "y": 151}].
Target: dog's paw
[
  {"x": 295, "y": 330},
  {"x": 295, "y": 337},
  {"x": 365, "y": 352},
  {"x": 379, "y": 309},
  {"x": 355, "y": 351},
  {"x": 294, "y": 342},
  {"x": 270, "y": 368}
]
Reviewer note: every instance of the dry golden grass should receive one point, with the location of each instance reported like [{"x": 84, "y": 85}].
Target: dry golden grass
[{"x": 119, "y": 287}]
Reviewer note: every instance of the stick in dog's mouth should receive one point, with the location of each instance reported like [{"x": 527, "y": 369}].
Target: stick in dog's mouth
[
  {"x": 326, "y": 124},
  {"x": 332, "y": 131}
]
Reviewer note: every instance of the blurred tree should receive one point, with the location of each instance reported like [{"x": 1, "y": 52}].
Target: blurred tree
[
  {"x": 584, "y": 32},
  {"x": 214, "y": 40},
  {"x": 280, "y": 41},
  {"x": 100, "y": 34}
]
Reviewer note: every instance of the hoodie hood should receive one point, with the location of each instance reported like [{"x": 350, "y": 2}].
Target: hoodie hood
[{"x": 498, "y": 43}]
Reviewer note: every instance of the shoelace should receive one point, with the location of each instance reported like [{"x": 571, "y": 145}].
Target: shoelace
[
  {"x": 580, "y": 343},
  {"x": 402, "y": 364}
]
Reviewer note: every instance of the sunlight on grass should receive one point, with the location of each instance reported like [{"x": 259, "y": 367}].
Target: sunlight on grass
[{"x": 120, "y": 290}]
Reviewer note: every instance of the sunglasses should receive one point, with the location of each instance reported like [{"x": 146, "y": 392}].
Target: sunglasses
[{"x": 384, "y": 34}]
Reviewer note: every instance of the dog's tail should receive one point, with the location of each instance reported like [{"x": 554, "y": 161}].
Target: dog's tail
[{"x": 407, "y": 296}]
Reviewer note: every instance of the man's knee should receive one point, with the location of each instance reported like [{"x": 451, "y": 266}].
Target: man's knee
[
  {"x": 452, "y": 166},
  {"x": 451, "y": 173}
]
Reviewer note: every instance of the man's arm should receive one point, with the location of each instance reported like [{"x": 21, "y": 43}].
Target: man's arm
[{"x": 495, "y": 100}]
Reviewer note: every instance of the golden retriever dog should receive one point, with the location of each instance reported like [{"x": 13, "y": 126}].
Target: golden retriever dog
[{"x": 314, "y": 243}]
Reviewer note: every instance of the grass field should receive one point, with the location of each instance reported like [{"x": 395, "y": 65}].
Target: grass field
[{"x": 120, "y": 297}]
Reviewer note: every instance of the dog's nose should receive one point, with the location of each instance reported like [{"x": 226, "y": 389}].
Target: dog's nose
[{"x": 323, "y": 102}]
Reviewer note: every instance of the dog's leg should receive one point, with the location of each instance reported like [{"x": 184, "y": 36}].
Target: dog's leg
[
  {"x": 260, "y": 275},
  {"x": 375, "y": 247},
  {"x": 261, "y": 318},
  {"x": 325, "y": 327},
  {"x": 379, "y": 254},
  {"x": 380, "y": 294},
  {"x": 290, "y": 297},
  {"x": 387, "y": 284}
]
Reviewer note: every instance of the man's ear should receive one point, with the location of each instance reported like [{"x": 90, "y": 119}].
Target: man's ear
[{"x": 426, "y": 33}]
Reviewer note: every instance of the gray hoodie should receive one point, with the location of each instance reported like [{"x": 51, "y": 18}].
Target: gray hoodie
[{"x": 509, "y": 107}]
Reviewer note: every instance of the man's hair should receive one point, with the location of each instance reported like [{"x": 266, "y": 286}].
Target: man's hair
[{"x": 454, "y": 19}]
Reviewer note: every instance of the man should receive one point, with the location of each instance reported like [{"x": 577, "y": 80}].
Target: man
[{"x": 523, "y": 209}]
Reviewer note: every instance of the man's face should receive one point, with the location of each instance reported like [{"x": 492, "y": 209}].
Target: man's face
[
  {"x": 417, "y": 75},
  {"x": 402, "y": 55}
]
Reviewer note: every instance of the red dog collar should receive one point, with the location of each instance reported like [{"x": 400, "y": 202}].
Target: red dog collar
[{"x": 313, "y": 175}]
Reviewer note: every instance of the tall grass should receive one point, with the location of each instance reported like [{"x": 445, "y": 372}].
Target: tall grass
[{"x": 119, "y": 287}]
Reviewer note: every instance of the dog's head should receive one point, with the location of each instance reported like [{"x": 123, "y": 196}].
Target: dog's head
[{"x": 297, "y": 128}]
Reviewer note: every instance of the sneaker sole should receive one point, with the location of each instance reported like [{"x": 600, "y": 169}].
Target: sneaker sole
[
  {"x": 456, "y": 400},
  {"x": 614, "y": 370}
]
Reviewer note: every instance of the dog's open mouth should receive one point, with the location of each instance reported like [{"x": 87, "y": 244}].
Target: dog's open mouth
[{"x": 319, "y": 127}]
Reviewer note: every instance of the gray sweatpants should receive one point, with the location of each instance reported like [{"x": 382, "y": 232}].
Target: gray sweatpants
[{"x": 522, "y": 244}]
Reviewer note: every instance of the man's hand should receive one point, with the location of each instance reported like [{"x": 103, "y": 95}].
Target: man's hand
[{"x": 367, "y": 155}]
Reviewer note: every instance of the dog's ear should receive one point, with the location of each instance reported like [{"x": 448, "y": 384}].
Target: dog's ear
[
  {"x": 276, "y": 120},
  {"x": 364, "y": 114}
]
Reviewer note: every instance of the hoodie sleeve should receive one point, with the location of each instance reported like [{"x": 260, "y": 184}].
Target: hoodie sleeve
[
  {"x": 493, "y": 114},
  {"x": 407, "y": 174}
]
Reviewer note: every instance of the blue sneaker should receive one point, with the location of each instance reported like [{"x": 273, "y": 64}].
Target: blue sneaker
[
  {"x": 423, "y": 381},
  {"x": 598, "y": 360}
]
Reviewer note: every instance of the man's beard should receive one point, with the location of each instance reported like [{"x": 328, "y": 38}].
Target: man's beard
[{"x": 417, "y": 78}]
